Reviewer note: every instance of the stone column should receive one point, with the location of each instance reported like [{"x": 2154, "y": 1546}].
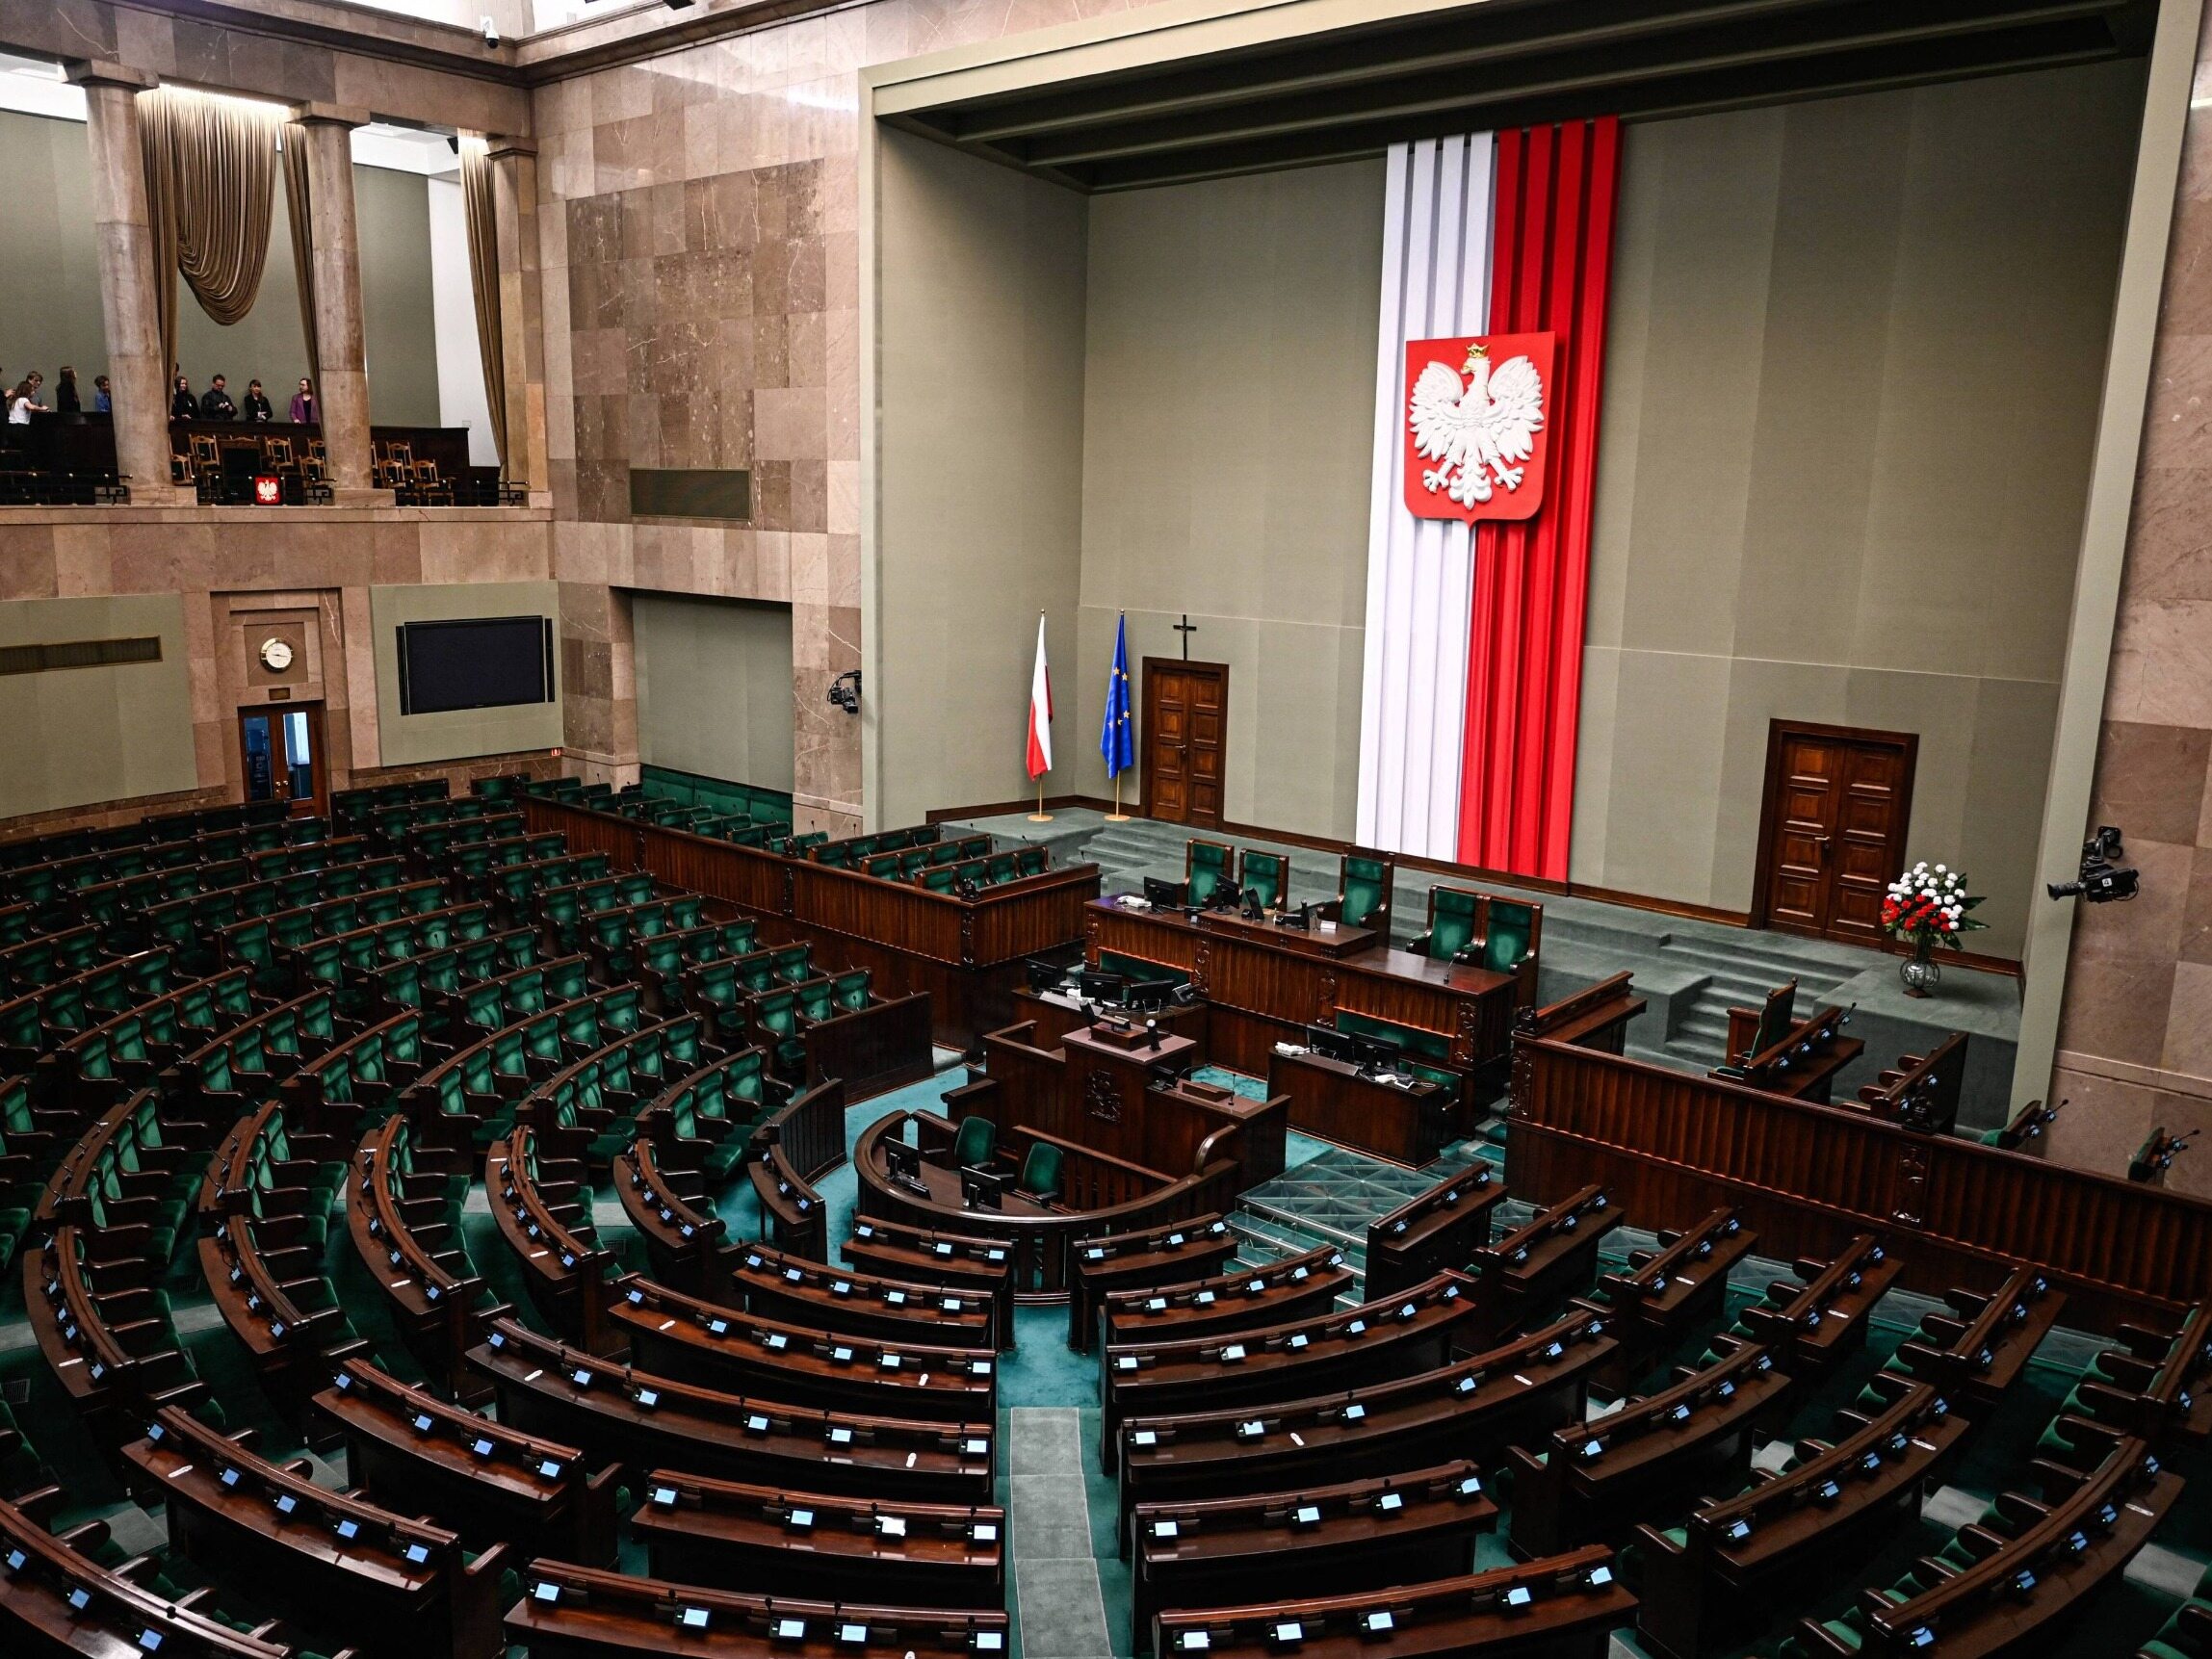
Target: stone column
[
  {"x": 137, "y": 377},
  {"x": 521, "y": 312},
  {"x": 341, "y": 392}
]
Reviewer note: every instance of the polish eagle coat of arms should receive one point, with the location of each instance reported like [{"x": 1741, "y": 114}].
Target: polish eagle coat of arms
[{"x": 1476, "y": 433}]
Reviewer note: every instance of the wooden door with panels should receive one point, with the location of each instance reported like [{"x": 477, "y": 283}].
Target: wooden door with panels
[
  {"x": 1186, "y": 738},
  {"x": 1832, "y": 829}
]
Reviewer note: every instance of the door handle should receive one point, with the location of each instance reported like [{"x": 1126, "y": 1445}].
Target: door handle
[{"x": 1822, "y": 842}]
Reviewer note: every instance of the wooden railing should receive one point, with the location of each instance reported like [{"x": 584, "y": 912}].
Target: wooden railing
[
  {"x": 1007, "y": 923},
  {"x": 810, "y": 1130},
  {"x": 1039, "y": 1244},
  {"x": 1671, "y": 1147},
  {"x": 873, "y": 1050}
]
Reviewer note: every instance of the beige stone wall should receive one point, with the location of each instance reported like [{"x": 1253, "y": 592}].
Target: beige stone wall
[
  {"x": 982, "y": 442},
  {"x": 238, "y": 574},
  {"x": 715, "y": 687},
  {"x": 2135, "y": 1034},
  {"x": 698, "y": 224},
  {"x": 78, "y": 737},
  {"x": 1228, "y": 389},
  {"x": 1852, "y": 382}
]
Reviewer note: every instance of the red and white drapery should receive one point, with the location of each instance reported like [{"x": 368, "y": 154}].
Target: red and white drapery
[{"x": 1473, "y": 663}]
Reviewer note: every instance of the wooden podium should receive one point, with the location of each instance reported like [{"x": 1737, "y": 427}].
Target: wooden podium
[{"x": 1117, "y": 1103}]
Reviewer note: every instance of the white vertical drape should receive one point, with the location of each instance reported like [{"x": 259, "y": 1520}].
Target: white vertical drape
[{"x": 1413, "y": 707}]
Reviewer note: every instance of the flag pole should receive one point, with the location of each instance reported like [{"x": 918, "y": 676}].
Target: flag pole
[
  {"x": 1117, "y": 815},
  {"x": 1040, "y": 816}
]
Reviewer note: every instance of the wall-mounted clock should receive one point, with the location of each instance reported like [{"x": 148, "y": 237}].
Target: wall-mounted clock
[{"x": 276, "y": 655}]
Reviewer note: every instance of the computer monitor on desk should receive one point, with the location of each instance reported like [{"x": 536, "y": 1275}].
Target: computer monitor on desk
[
  {"x": 904, "y": 1163},
  {"x": 1044, "y": 976},
  {"x": 1149, "y": 996},
  {"x": 982, "y": 1188},
  {"x": 1166, "y": 894},
  {"x": 1331, "y": 1044},
  {"x": 1376, "y": 1050},
  {"x": 1093, "y": 986}
]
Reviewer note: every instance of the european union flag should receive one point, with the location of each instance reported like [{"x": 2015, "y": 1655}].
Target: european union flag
[{"x": 1116, "y": 742}]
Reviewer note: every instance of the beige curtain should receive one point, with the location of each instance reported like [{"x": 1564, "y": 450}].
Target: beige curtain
[
  {"x": 211, "y": 176},
  {"x": 479, "y": 209},
  {"x": 295, "y": 207}
]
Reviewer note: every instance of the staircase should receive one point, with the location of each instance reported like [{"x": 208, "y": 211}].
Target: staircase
[
  {"x": 1737, "y": 973},
  {"x": 1332, "y": 1198}
]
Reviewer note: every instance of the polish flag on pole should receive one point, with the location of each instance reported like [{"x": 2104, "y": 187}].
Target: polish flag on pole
[{"x": 1040, "y": 710}]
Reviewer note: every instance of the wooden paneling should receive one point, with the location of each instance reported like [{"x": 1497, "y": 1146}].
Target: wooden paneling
[
  {"x": 874, "y": 1050},
  {"x": 966, "y": 954},
  {"x": 1671, "y": 1147}
]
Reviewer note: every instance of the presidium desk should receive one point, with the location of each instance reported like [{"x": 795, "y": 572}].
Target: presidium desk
[{"x": 1265, "y": 984}]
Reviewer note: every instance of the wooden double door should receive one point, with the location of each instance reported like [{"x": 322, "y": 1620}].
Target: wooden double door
[
  {"x": 1186, "y": 736},
  {"x": 1832, "y": 836}
]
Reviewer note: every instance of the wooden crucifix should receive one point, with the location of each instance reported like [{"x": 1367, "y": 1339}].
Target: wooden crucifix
[{"x": 1186, "y": 628}]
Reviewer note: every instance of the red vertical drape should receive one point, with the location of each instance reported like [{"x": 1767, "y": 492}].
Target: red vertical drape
[{"x": 1552, "y": 258}]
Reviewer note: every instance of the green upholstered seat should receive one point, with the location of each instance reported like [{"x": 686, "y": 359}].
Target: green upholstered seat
[
  {"x": 776, "y": 1018},
  {"x": 1510, "y": 935},
  {"x": 940, "y": 877},
  {"x": 850, "y": 990},
  {"x": 976, "y": 1141},
  {"x": 1362, "y": 888},
  {"x": 1206, "y": 866},
  {"x": 1040, "y": 1175},
  {"x": 1032, "y": 860},
  {"x": 1453, "y": 914},
  {"x": 1265, "y": 875},
  {"x": 816, "y": 999}
]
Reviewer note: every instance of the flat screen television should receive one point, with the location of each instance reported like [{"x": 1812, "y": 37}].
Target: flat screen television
[{"x": 474, "y": 662}]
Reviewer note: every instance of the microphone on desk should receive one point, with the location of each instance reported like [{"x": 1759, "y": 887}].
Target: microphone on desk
[{"x": 1152, "y": 1033}]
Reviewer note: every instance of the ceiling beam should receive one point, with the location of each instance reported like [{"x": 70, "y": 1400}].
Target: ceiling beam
[{"x": 2071, "y": 24}]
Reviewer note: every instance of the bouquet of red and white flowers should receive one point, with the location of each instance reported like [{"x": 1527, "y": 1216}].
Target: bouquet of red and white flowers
[{"x": 1928, "y": 906}]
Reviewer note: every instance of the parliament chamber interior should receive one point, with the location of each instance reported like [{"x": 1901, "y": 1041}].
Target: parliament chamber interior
[{"x": 1206, "y": 829}]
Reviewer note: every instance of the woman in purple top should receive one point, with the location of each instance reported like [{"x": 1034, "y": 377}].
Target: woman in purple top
[{"x": 303, "y": 404}]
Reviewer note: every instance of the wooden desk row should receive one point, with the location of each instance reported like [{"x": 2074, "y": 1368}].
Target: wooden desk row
[
  {"x": 1473, "y": 1407},
  {"x": 966, "y": 954},
  {"x": 332, "y": 1561},
  {"x": 1349, "y": 1536},
  {"x": 583, "y": 1613},
  {"x": 645, "y": 1420},
  {"x": 1412, "y": 1332},
  {"x": 1040, "y": 1238},
  {"x": 1808, "y": 1177},
  {"x": 722, "y": 1347},
  {"x": 1295, "y": 1287}
]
